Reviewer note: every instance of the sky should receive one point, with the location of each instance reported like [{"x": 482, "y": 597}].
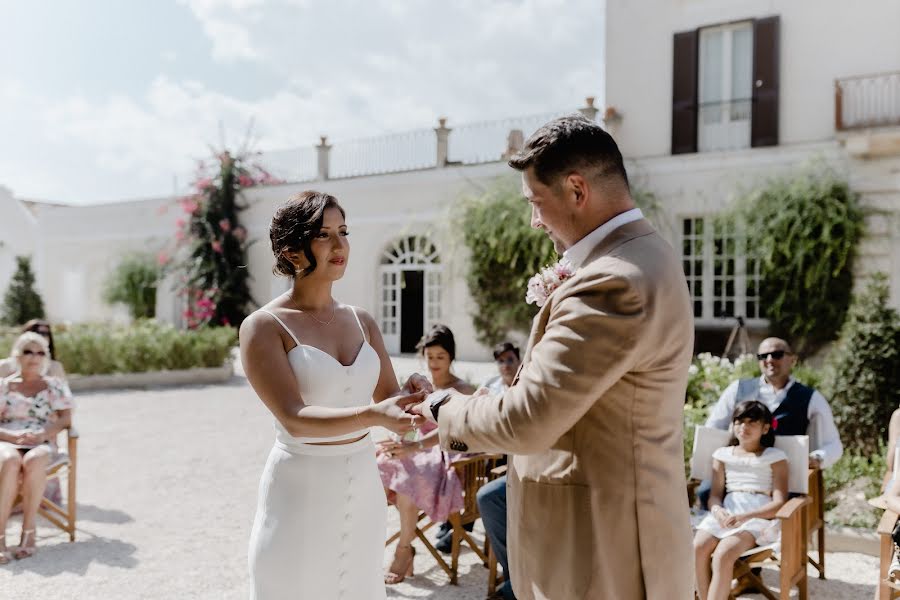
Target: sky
[{"x": 109, "y": 100}]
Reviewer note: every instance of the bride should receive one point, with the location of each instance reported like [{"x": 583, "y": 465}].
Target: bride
[{"x": 317, "y": 365}]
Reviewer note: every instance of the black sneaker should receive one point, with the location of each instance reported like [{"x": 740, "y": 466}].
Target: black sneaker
[
  {"x": 442, "y": 530},
  {"x": 445, "y": 544}
]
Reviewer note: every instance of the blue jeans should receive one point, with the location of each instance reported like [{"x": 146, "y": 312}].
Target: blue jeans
[{"x": 491, "y": 500}]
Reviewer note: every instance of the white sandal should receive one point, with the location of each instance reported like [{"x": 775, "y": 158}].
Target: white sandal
[{"x": 24, "y": 551}]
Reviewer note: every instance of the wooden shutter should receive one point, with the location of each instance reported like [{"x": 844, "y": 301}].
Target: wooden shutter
[
  {"x": 684, "y": 92},
  {"x": 764, "y": 119}
]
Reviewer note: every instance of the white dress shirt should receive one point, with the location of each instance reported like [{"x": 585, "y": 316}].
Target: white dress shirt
[
  {"x": 580, "y": 250},
  {"x": 823, "y": 434}
]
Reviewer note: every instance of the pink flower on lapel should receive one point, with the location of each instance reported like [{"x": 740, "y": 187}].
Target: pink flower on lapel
[
  {"x": 541, "y": 285},
  {"x": 774, "y": 424}
]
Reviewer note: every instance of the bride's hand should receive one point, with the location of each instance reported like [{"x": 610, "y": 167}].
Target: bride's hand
[
  {"x": 417, "y": 383},
  {"x": 391, "y": 413}
]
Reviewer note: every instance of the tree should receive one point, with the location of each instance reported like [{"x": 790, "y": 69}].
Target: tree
[
  {"x": 133, "y": 282},
  {"x": 505, "y": 251},
  {"x": 214, "y": 244},
  {"x": 22, "y": 302},
  {"x": 863, "y": 371},
  {"x": 804, "y": 230}
]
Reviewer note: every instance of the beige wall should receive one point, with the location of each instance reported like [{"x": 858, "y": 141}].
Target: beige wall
[{"x": 820, "y": 41}]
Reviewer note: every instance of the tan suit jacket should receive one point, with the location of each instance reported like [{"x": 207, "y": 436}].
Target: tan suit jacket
[{"x": 597, "y": 506}]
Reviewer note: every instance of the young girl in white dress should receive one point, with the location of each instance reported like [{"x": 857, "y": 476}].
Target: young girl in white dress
[
  {"x": 749, "y": 485},
  {"x": 318, "y": 365}
]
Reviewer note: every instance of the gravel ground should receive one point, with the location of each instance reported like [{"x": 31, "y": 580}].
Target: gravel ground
[{"x": 166, "y": 496}]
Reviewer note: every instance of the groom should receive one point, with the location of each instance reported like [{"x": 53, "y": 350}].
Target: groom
[{"x": 597, "y": 500}]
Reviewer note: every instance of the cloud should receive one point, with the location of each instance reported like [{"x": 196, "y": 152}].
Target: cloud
[
  {"x": 346, "y": 69},
  {"x": 224, "y": 23}
]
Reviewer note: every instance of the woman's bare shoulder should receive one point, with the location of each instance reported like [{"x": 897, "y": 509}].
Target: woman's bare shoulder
[{"x": 464, "y": 387}]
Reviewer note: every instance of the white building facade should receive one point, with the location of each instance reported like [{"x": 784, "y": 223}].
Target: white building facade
[
  {"x": 710, "y": 99},
  {"x": 706, "y": 99}
]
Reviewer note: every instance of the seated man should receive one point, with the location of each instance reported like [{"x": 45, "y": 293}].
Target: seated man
[{"x": 798, "y": 409}]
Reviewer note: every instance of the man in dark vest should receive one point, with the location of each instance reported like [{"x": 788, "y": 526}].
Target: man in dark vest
[{"x": 798, "y": 409}]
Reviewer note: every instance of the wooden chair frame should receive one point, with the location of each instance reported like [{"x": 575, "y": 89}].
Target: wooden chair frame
[
  {"x": 473, "y": 472},
  {"x": 815, "y": 523},
  {"x": 494, "y": 578},
  {"x": 887, "y": 588},
  {"x": 62, "y": 516},
  {"x": 791, "y": 557}
]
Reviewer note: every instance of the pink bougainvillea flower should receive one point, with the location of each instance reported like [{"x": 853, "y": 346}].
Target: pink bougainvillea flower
[
  {"x": 179, "y": 235},
  {"x": 225, "y": 225},
  {"x": 189, "y": 205},
  {"x": 203, "y": 184},
  {"x": 226, "y": 322},
  {"x": 245, "y": 180},
  {"x": 216, "y": 246},
  {"x": 162, "y": 259},
  {"x": 179, "y": 223},
  {"x": 240, "y": 233}
]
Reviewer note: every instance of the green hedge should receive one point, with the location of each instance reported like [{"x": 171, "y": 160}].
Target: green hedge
[{"x": 146, "y": 345}]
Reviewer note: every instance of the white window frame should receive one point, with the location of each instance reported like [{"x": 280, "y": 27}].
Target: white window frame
[
  {"x": 732, "y": 130},
  {"x": 746, "y": 271}
]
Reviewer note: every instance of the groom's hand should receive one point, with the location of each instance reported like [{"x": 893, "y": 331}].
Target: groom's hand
[{"x": 425, "y": 409}]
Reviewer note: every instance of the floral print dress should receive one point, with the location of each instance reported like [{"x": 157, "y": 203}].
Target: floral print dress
[
  {"x": 19, "y": 412},
  {"x": 427, "y": 477}
]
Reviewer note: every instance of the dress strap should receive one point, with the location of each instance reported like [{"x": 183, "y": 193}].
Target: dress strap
[
  {"x": 358, "y": 322},
  {"x": 280, "y": 322}
]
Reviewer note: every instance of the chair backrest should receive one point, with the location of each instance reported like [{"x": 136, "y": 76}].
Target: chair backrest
[
  {"x": 708, "y": 439},
  {"x": 474, "y": 472}
]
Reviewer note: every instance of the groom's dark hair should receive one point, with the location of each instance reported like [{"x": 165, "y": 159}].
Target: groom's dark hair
[{"x": 567, "y": 144}]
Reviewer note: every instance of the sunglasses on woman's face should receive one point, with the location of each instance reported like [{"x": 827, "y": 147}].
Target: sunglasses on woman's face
[
  {"x": 776, "y": 354},
  {"x": 34, "y": 352}
]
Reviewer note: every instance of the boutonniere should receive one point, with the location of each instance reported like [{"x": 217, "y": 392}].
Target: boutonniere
[{"x": 542, "y": 284}]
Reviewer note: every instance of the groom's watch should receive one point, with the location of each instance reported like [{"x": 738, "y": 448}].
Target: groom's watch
[{"x": 440, "y": 397}]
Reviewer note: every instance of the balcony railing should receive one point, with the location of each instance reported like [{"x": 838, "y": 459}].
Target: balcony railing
[
  {"x": 489, "y": 141},
  {"x": 442, "y": 146},
  {"x": 724, "y": 125},
  {"x": 867, "y": 101}
]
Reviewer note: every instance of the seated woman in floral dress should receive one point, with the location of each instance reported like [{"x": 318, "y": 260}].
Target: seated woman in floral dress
[
  {"x": 10, "y": 365},
  {"x": 34, "y": 408},
  {"x": 416, "y": 473}
]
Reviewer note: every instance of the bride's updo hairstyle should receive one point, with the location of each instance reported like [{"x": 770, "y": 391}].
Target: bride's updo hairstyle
[{"x": 295, "y": 224}]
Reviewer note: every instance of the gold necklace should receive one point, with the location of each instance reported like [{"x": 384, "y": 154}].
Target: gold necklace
[{"x": 312, "y": 316}]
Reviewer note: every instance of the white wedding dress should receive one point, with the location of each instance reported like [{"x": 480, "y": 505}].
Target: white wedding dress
[{"x": 321, "y": 518}]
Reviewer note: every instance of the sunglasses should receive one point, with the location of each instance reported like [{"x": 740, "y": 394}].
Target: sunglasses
[
  {"x": 33, "y": 352},
  {"x": 776, "y": 354}
]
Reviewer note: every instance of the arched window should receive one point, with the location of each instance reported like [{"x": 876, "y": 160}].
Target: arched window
[{"x": 410, "y": 294}]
